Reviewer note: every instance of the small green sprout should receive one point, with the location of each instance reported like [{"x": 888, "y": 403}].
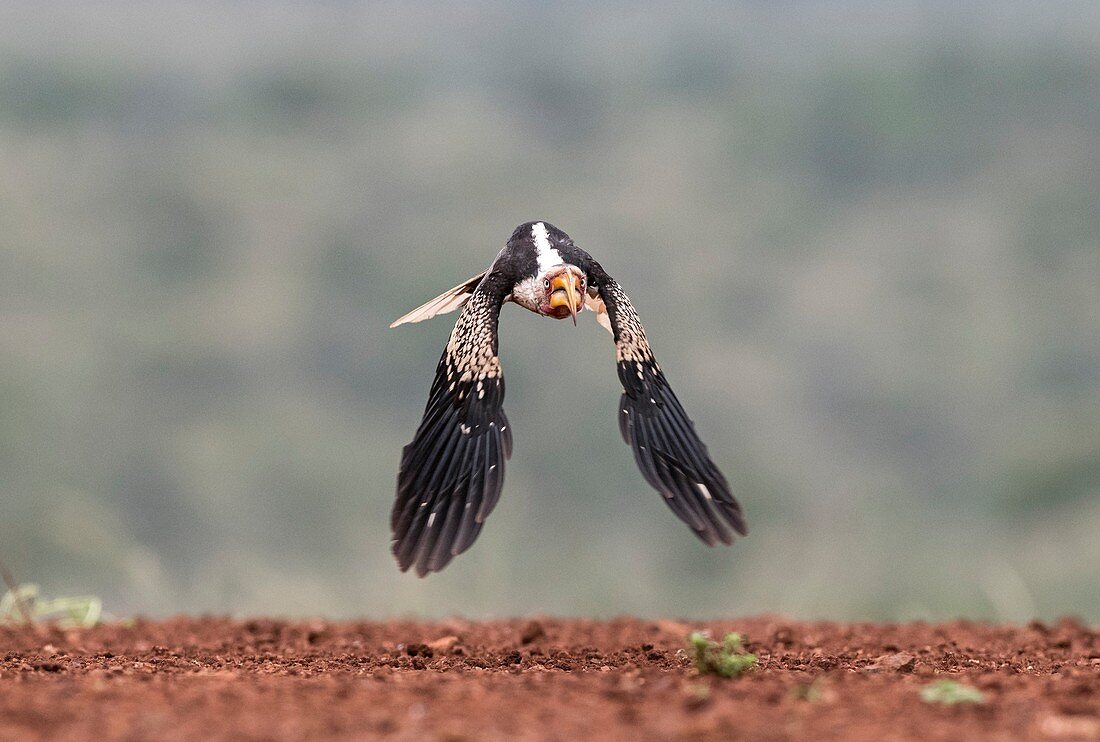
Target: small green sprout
[
  {"x": 697, "y": 696},
  {"x": 950, "y": 693},
  {"x": 727, "y": 659},
  {"x": 810, "y": 692},
  {"x": 24, "y": 605}
]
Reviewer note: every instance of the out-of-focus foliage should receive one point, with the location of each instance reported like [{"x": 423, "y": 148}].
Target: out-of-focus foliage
[
  {"x": 727, "y": 660},
  {"x": 25, "y": 604},
  {"x": 863, "y": 236},
  {"x": 951, "y": 693}
]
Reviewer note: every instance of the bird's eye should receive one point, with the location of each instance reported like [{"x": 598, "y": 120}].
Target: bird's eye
[{"x": 546, "y": 282}]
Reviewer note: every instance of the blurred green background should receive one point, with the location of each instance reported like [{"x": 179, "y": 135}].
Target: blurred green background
[{"x": 864, "y": 236}]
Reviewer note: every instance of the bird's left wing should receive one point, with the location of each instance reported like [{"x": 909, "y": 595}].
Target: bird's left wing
[
  {"x": 666, "y": 447},
  {"x": 453, "y": 470}
]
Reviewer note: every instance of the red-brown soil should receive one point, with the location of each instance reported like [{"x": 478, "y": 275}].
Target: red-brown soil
[{"x": 542, "y": 679}]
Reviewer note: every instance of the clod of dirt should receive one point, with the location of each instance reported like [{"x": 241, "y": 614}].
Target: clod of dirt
[
  {"x": 316, "y": 631},
  {"x": 418, "y": 650},
  {"x": 443, "y": 644},
  {"x": 676, "y": 628},
  {"x": 900, "y": 662},
  {"x": 1039, "y": 626},
  {"x": 783, "y": 636},
  {"x": 532, "y": 632}
]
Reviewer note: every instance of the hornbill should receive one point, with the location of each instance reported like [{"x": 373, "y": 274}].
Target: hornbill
[{"x": 452, "y": 472}]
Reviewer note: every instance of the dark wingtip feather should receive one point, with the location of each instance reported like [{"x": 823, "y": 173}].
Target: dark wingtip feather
[
  {"x": 451, "y": 477},
  {"x": 673, "y": 459}
]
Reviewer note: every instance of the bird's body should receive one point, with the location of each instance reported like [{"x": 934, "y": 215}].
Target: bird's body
[{"x": 452, "y": 472}]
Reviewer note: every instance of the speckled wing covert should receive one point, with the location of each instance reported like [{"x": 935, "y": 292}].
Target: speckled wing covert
[
  {"x": 452, "y": 473},
  {"x": 666, "y": 447}
]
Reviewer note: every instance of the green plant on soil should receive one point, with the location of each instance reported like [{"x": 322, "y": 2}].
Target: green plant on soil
[
  {"x": 726, "y": 660},
  {"x": 25, "y": 605},
  {"x": 950, "y": 693},
  {"x": 810, "y": 692}
]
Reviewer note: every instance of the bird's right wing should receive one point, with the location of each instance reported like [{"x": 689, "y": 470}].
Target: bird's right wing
[
  {"x": 666, "y": 447},
  {"x": 453, "y": 470},
  {"x": 448, "y": 301}
]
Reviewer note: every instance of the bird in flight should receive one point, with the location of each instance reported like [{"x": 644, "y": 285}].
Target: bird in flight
[{"x": 452, "y": 472}]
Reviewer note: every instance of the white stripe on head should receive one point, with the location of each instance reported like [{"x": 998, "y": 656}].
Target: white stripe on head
[{"x": 548, "y": 257}]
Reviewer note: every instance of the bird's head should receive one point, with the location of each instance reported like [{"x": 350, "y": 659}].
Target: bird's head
[
  {"x": 562, "y": 291},
  {"x": 552, "y": 284}
]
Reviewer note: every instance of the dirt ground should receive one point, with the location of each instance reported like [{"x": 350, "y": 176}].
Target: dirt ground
[{"x": 542, "y": 679}]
